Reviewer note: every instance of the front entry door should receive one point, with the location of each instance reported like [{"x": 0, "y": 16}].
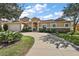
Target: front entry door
[
  {"x": 35, "y": 26},
  {"x": 34, "y": 29}
]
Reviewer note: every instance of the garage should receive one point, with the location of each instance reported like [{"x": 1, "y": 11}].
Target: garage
[{"x": 14, "y": 27}]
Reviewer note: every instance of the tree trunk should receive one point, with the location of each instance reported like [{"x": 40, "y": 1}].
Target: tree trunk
[{"x": 74, "y": 28}]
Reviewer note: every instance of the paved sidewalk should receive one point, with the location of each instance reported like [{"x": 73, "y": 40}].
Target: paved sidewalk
[{"x": 41, "y": 48}]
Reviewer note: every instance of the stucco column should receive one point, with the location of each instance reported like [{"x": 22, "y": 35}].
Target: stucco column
[
  {"x": 32, "y": 26},
  {"x": 71, "y": 26},
  {"x": 50, "y": 26},
  {"x": 38, "y": 26},
  {"x": 2, "y": 26}
]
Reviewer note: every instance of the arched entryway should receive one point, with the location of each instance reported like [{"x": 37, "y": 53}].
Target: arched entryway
[{"x": 35, "y": 26}]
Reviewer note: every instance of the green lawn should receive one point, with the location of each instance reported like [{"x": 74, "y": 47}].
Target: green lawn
[{"x": 18, "y": 49}]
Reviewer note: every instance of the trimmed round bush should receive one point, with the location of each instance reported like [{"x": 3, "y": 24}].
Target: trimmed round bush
[{"x": 5, "y": 26}]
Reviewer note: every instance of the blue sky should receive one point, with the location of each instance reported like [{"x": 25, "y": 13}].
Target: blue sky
[{"x": 44, "y": 11}]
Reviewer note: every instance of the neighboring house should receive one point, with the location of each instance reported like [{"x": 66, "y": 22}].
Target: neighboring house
[{"x": 59, "y": 24}]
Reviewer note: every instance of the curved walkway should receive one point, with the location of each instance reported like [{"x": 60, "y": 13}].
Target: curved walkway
[{"x": 41, "y": 48}]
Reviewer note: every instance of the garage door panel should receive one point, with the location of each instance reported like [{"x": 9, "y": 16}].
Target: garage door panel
[{"x": 14, "y": 27}]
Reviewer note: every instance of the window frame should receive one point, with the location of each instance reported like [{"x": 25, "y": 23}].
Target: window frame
[
  {"x": 44, "y": 25},
  {"x": 66, "y": 24}
]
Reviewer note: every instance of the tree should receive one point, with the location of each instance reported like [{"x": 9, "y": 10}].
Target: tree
[
  {"x": 10, "y": 10},
  {"x": 72, "y": 12}
]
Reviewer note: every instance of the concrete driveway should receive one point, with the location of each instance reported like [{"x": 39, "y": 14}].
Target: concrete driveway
[{"x": 41, "y": 48}]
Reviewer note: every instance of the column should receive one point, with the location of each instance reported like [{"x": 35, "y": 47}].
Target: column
[
  {"x": 38, "y": 26},
  {"x": 32, "y": 25},
  {"x": 2, "y": 26},
  {"x": 50, "y": 26}
]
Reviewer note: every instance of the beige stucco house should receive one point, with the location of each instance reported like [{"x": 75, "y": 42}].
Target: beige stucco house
[
  {"x": 59, "y": 24},
  {"x": 36, "y": 24}
]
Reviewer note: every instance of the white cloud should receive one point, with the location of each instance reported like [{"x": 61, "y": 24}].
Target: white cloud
[
  {"x": 46, "y": 17},
  {"x": 24, "y": 15},
  {"x": 27, "y": 12},
  {"x": 59, "y": 13},
  {"x": 30, "y": 11},
  {"x": 38, "y": 8},
  {"x": 54, "y": 15}
]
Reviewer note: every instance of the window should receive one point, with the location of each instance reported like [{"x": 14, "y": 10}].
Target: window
[
  {"x": 66, "y": 25},
  {"x": 44, "y": 25}
]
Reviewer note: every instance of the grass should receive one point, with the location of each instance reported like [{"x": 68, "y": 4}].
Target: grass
[{"x": 18, "y": 49}]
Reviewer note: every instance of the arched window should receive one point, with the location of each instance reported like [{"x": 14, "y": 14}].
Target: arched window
[{"x": 54, "y": 25}]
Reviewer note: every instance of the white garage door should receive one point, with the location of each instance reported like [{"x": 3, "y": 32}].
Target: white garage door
[{"x": 14, "y": 27}]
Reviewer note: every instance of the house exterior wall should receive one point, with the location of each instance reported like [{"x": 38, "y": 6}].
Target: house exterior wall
[
  {"x": 60, "y": 24},
  {"x": 44, "y": 23}
]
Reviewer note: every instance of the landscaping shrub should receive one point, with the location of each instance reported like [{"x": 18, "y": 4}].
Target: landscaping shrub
[
  {"x": 26, "y": 29},
  {"x": 76, "y": 33},
  {"x": 53, "y": 30},
  {"x": 48, "y": 30},
  {"x": 41, "y": 30},
  {"x": 75, "y": 39},
  {"x": 71, "y": 38},
  {"x": 1, "y": 37},
  {"x": 67, "y": 37},
  {"x": 0, "y": 28},
  {"x": 17, "y": 36},
  {"x": 7, "y": 37},
  {"x": 70, "y": 33}
]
